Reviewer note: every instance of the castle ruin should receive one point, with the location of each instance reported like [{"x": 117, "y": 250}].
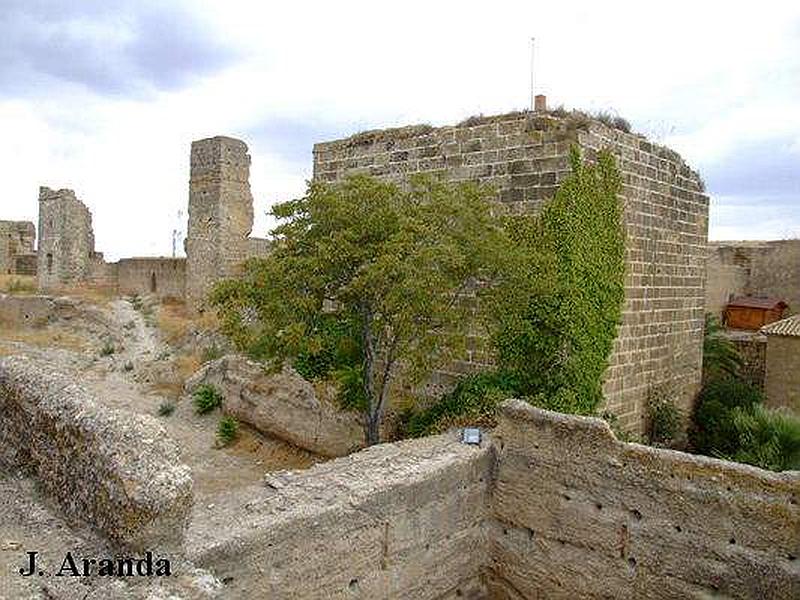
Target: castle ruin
[
  {"x": 525, "y": 156},
  {"x": 218, "y": 242}
]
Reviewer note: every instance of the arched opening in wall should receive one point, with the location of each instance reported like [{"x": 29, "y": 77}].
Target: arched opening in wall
[
  {"x": 49, "y": 263},
  {"x": 152, "y": 283}
]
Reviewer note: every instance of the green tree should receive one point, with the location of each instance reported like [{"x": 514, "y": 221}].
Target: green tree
[
  {"x": 364, "y": 279},
  {"x": 720, "y": 355}
]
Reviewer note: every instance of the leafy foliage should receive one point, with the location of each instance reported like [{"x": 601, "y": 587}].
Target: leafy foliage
[
  {"x": 206, "y": 398},
  {"x": 473, "y": 401},
  {"x": 554, "y": 308},
  {"x": 165, "y": 409},
  {"x": 227, "y": 430},
  {"x": 714, "y": 432},
  {"x": 665, "y": 421},
  {"x": 720, "y": 356},
  {"x": 363, "y": 277},
  {"x": 556, "y": 311},
  {"x": 766, "y": 438},
  {"x": 731, "y": 422}
]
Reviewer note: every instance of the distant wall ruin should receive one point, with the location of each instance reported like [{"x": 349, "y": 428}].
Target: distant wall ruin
[
  {"x": 163, "y": 278},
  {"x": 17, "y": 253},
  {"x": 525, "y": 156},
  {"x": 218, "y": 242},
  {"x": 753, "y": 268}
]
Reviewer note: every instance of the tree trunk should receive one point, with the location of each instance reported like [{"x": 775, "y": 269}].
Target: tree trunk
[{"x": 373, "y": 430}]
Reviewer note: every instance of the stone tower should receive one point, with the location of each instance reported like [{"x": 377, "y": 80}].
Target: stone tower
[
  {"x": 220, "y": 215},
  {"x": 66, "y": 239}
]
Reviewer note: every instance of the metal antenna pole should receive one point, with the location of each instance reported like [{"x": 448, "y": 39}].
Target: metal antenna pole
[{"x": 532, "y": 88}]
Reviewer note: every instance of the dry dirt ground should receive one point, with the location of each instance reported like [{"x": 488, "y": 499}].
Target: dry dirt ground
[{"x": 138, "y": 376}]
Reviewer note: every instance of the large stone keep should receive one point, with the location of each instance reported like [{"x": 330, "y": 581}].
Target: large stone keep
[
  {"x": 66, "y": 239},
  {"x": 525, "y": 156},
  {"x": 220, "y": 214}
]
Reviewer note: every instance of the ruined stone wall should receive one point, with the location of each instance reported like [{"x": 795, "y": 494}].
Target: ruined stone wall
[
  {"x": 582, "y": 515},
  {"x": 220, "y": 214},
  {"x": 17, "y": 239},
  {"x": 66, "y": 240},
  {"x": 117, "y": 471},
  {"x": 164, "y": 278},
  {"x": 103, "y": 275},
  {"x": 758, "y": 268},
  {"x": 525, "y": 156},
  {"x": 782, "y": 379},
  {"x": 776, "y": 273},
  {"x": 403, "y": 520}
]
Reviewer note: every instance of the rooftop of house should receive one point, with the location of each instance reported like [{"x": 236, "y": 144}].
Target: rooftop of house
[{"x": 790, "y": 326}]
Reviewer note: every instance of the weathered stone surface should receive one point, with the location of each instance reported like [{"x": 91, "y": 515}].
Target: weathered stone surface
[
  {"x": 17, "y": 248},
  {"x": 579, "y": 514},
  {"x": 403, "y": 520},
  {"x": 115, "y": 470},
  {"x": 281, "y": 404},
  {"x": 26, "y": 311},
  {"x": 66, "y": 239},
  {"x": 220, "y": 214}
]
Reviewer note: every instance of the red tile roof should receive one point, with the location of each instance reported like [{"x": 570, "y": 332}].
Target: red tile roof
[{"x": 758, "y": 302}]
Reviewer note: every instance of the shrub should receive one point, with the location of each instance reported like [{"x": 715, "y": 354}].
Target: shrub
[
  {"x": 206, "y": 398},
  {"x": 227, "y": 430},
  {"x": 714, "y": 432},
  {"x": 769, "y": 439},
  {"x": 166, "y": 409},
  {"x": 473, "y": 401},
  {"x": 720, "y": 355},
  {"x": 212, "y": 352},
  {"x": 108, "y": 349},
  {"x": 664, "y": 420}
]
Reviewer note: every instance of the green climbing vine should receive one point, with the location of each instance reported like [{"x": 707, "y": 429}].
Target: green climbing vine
[{"x": 554, "y": 312}]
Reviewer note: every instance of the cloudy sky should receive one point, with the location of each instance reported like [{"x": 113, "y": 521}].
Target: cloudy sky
[{"x": 105, "y": 96}]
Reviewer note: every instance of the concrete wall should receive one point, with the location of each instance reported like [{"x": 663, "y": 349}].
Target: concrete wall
[
  {"x": 66, "y": 239},
  {"x": 160, "y": 277},
  {"x": 220, "y": 214},
  {"x": 17, "y": 240},
  {"x": 402, "y": 520},
  {"x": 759, "y": 268},
  {"x": 525, "y": 156},
  {"x": 117, "y": 471},
  {"x": 582, "y": 515},
  {"x": 782, "y": 379}
]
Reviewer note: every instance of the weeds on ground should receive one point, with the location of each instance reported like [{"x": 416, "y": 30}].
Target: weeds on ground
[
  {"x": 227, "y": 430},
  {"x": 206, "y": 398}
]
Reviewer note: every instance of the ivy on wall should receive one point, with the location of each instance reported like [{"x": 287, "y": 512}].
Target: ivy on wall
[{"x": 554, "y": 313}]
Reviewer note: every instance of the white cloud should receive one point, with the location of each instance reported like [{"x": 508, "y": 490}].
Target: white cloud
[{"x": 706, "y": 78}]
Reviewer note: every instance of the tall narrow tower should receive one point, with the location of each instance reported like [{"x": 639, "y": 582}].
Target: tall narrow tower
[
  {"x": 220, "y": 215},
  {"x": 66, "y": 239}
]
